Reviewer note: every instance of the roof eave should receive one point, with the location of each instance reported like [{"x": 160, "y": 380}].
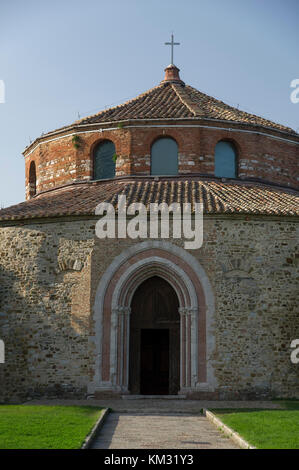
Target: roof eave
[{"x": 74, "y": 127}]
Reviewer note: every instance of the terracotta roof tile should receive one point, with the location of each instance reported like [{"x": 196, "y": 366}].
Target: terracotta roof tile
[
  {"x": 172, "y": 100},
  {"x": 218, "y": 197}
]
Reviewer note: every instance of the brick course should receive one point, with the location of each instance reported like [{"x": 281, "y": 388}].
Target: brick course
[{"x": 58, "y": 162}]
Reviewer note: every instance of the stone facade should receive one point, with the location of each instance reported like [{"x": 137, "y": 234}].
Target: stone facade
[
  {"x": 66, "y": 296},
  {"x": 49, "y": 276}
]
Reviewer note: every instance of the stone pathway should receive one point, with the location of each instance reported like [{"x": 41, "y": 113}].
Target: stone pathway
[
  {"x": 160, "y": 423},
  {"x": 159, "y": 431}
]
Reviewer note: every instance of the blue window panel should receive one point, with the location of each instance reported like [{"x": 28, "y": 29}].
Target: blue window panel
[
  {"x": 164, "y": 157},
  {"x": 225, "y": 160},
  {"x": 104, "y": 166},
  {"x": 32, "y": 179}
]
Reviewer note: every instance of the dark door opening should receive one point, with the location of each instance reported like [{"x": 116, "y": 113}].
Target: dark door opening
[
  {"x": 154, "y": 355},
  {"x": 154, "y": 362}
]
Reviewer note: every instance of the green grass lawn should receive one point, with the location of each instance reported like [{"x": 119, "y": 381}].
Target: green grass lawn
[
  {"x": 45, "y": 427},
  {"x": 266, "y": 429}
]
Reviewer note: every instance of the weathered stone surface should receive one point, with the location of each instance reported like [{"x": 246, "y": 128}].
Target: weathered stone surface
[{"x": 49, "y": 273}]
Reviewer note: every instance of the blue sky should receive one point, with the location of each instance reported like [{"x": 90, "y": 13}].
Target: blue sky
[{"x": 58, "y": 58}]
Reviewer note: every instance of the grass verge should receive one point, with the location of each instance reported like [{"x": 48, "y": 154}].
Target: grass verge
[
  {"x": 265, "y": 429},
  {"x": 45, "y": 427}
]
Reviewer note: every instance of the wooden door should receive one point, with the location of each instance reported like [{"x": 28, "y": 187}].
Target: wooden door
[
  {"x": 154, "y": 362},
  {"x": 154, "y": 339}
]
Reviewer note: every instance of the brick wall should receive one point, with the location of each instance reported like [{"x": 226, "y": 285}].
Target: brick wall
[{"x": 58, "y": 162}]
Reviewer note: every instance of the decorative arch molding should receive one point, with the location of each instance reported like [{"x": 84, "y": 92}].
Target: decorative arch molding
[{"x": 112, "y": 315}]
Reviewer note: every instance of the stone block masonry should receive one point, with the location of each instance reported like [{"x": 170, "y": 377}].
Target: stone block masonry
[
  {"x": 49, "y": 273},
  {"x": 45, "y": 284}
]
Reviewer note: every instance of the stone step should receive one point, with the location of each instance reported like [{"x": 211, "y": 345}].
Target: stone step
[
  {"x": 154, "y": 405},
  {"x": 153, "y": 397}
]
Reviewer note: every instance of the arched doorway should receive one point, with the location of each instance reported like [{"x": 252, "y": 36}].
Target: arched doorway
[
  {"x": 113, "y": 310},
  {"x": 154, "y": 364}
]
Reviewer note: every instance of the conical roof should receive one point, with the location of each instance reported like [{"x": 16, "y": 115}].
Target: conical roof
[{"x": 172, "y": 99}]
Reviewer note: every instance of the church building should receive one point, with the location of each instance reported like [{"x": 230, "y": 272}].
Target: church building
[{"x": 82, "y": 316}]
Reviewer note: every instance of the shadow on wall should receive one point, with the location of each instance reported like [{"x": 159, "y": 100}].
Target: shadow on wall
[{"x": 44, "y": 325}]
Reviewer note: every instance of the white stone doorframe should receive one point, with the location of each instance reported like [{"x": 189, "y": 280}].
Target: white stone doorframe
[
  {"x": 121, "y": 301},
  {"x": 123, "y": 292}
]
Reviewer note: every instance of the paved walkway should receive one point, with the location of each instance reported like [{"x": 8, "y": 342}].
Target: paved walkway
[
  {"x": 160, "y": 431},
  {"x": 160, "y": 423}
]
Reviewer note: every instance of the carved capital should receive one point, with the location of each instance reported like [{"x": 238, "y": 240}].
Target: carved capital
[
  {"x": 121, "y": 311},
  {"x": 182, "y": 311},
  {"x": 192, "y": 311}
]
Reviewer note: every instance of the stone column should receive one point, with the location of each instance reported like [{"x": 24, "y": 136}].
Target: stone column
[
  {"x": 120, "y": 330},
  {"x": 189, "y": 349},
  {"x": 114, "y": 327},
  {"x": 182, "y": 348},
  {"x": 193, "y": 320}
]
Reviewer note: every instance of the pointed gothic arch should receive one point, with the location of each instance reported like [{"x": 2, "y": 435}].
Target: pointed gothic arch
[{"x": 112, "y": 311}]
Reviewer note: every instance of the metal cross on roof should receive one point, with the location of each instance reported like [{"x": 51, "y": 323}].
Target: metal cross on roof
[{"x": 172, "y": 43}]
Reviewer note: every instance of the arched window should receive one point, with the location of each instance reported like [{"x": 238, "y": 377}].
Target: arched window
[
  {"x": 32, "y": 179},
  {"x": 225, "y": 160},
  {"x": 104, "y": 160},
  {"x": 164, "y": 157}
]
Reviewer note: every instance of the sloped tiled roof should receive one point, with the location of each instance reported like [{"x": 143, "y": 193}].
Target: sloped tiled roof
[
  {"x": 218, "y": 197},
  {"x": 174, "y": 101}
]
